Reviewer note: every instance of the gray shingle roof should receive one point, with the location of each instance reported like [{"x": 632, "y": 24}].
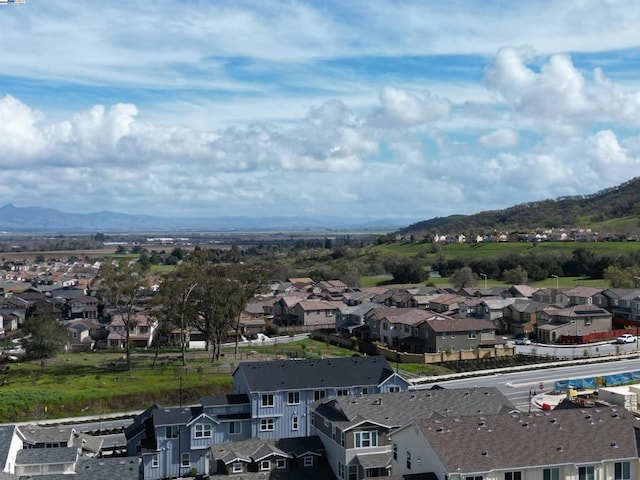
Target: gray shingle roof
[
  {"x": 6, "y": 434},
  {"x": 222, "y": 400},
  {"x": 396, "y": 409},
  {"x": 173, "y": 415},
  {"x": 518, "y": 441},
  {"x": 307, "y": 374},
  {"x": 42, "y": 456},
  {"x": 36, "y": 434}
]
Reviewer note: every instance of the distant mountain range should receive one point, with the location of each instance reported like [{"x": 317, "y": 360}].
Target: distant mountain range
[
  {"x": 615, "y": 210},
  {"x": 48, "y": 220}
]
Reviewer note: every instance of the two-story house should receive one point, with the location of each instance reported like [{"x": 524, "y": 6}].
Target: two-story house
[
  {"x": 315, "y": 314},
  {"x": 563, "y": 444},
  {"x": 355, "y": 429},
  {"x": 269, "y": 402},
  {"x": 519, "y": 317},
  {"x": 443, "y": 333},
  {"x": 571, "y": 321},
  {"x": 281, "y": 390}
]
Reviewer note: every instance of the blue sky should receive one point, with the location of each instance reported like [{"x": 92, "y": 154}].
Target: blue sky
[{"x": 361, "y": 109}]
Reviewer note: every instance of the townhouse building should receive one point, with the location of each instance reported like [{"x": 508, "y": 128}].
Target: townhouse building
[
  {"x": 355, "y": 429},
  {"x": 269, "y": 402},
  {"x": 564, "y": 444}
]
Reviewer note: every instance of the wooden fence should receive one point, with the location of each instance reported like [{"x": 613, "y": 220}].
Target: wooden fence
[{"x": 402, "y": 357}]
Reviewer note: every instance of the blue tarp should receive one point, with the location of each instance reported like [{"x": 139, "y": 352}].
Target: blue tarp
[{"x": 589, "y": 383}]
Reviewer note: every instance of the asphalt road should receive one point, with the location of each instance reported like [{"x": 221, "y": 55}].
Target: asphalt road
[{"x": 517, "y": 386}]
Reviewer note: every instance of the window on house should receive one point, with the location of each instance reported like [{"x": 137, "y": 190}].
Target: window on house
[
  {"x": 353, "y": 472},
  {"x": 395, "y": 451},
  {"x": 394, "y": 389},
  {"x": 202, "y": 430},
  {"x": 622, "y": 471},
  {"x": 294, "y": 423},
  {"x": 307, "y": 461},
  {"x": 586, "y": 473},
  {"x": 385, "y": 326},
  {"x": 318, "y": 394},
  {"x": 267, "y": 425},
  {"x": 235, "y": 428},
  {"x": 551, "y": 474},
  {"x": 366, "y": 439},
  {"x": 265, "y": 465},
  {"x": 365, "y": 390},
  {"x": 281, "y": 463},
  {"x": 342, "y": 438},
  {"x": 472, "y": 334},
  {"x": 293, "y": 398},
  {"x": 342, "y": 392},
  {"x": 173, "y": 431},
  {"x": 340, "y": 469},
  {"x": 236, "y": 467},
  {"x": 512, "y": 475},
  {"x": 474, "y": 477},
  {"x": 267, "y": 400},
  {"x": 155, "y": 463},
  {"x": 186, "y": 460},
  {"x": 453, "y": 334},
  {"x": 408, "y": 460}
]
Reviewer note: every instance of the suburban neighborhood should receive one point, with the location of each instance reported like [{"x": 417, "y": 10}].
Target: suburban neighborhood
[{"x": 347, "y": 418}]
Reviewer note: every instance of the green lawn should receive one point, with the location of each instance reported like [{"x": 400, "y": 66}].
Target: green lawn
[{"x": 95, "y": 383}]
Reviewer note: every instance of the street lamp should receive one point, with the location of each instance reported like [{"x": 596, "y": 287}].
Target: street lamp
[
  {"x": 484, "y": 275},
  {"x": 557, "y": 281}
]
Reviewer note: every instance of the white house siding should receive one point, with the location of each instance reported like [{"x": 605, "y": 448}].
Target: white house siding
[{"x": 423, "y": 457}]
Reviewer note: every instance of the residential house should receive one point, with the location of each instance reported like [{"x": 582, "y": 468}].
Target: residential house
[
  {"x": 269, "y": 402},
  {"x": 554, "y": 322},
  {"x": 333, "y": 290},
  {"x": 397, "y": 327},
  {"x": 355, "y": 429},
  {"x": 283, "y": 309},
  {"x": 315, "y": 314},
  {"x": 79, "y": 335},
  {"x": 140, "y": 333},
  {"x": 521, "y": 291},
  {"x": 281, "y": 390},
  {"x": 491, "y": 308},
  {"x": 28, "y": 451},
  {"x": 442, "y": 333},
  {"x": 350, "y": 319},
  {"x": 519, "y": 317},
  {"x": 302, "y": 455},
  {"x": 43, "y": 461},
  {"x": 82, "y": 306},
  {"x": 551, "y": 296},
  {"x": 256, "y": 314},
  {"x": 582, "y": 295},
  {"x": 623, "y": 303},
  {"x": 446, "y": 302},
  {"x": 563, "y": 444}
]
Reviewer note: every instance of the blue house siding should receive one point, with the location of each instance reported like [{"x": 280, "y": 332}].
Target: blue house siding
[{"x": 270, "y": 401}]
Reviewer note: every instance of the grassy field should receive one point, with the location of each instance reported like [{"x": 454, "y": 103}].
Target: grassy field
[
  {"x": 480, "y": 250},
  {"x": 445, "y": 282},
  {"x": 97, "y": 383}
]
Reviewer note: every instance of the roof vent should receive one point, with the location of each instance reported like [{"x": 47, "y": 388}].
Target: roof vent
[
  {"x": 614, "y": 444},
  {"x": 485, "y": 454},
  {"x": 560, "y": 449}
]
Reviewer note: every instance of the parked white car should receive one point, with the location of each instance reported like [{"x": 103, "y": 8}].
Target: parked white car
[
  {"x": 523, "y": 341},
  {"x": 626, "y": 338}
]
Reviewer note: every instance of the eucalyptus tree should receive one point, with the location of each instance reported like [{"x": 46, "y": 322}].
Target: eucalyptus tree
[
  {"x": 176, "y": 302},
  {"x": 121, "y": 287}
]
